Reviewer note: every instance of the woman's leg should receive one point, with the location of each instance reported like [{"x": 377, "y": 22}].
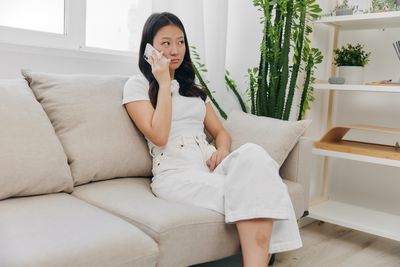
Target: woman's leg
[{"x": 255, "y": 237}]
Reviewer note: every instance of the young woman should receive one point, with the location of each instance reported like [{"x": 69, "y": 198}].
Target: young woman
[{"x": 172, "y": 111}]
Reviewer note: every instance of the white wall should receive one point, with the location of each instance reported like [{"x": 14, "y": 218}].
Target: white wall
[{"x": 244, "y": 36}]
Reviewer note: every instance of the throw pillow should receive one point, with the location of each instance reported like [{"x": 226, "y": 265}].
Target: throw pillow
[
  {"x": 277, "y": 137},
  {"x": 98, "y": 136},
  {"x": 32, "y": 159}
]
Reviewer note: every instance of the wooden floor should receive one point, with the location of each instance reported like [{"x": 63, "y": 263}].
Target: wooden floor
[{"x": 328, "y": 245}]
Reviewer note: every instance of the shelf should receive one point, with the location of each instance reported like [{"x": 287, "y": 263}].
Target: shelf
[
  {"x": 333, "y": 145},
  {"x": 356, "y": 157},
  {"x": 358, "y": 87},
  {"x": 363, "y": 21},
  {"x": 362, "y": 219}
]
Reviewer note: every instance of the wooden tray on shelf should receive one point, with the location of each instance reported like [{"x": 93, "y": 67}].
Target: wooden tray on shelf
[{"x": 333, "y": 141}]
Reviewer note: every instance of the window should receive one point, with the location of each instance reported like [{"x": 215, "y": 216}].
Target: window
[
  {"x": 106, "y": 26},
  {"x": 117, "y": 24},
  {"x": 30, "y": 15}
]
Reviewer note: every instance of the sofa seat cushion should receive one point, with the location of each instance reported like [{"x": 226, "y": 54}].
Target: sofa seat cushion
[
  {"x": 32, "y": 159},
  {"x": 186, "y": 234},
  {"x": 296, "y": 194},
  {"x": 61, "y": 230}
]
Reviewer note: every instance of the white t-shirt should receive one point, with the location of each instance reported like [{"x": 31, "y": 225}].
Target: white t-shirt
[{"x": 187, "y": 112}]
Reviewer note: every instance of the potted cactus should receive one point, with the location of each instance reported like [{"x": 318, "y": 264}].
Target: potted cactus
[
  {"x": 351, "y": 60},
  {"x": 273, "y": 83}
]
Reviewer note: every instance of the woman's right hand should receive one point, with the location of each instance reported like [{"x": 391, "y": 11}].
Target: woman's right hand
[{"x": 160, "y": 69}]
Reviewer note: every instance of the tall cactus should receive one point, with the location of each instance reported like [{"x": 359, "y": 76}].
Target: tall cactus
[
  {"x": 289, "y": 30},
  {"x": 299, "y": 39},
  {"x": 313, "y": 57},
  {"x": 285, "y": 60}
]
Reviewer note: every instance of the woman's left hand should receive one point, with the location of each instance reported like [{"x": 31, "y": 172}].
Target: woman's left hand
[{"x": 216, "y": 158}]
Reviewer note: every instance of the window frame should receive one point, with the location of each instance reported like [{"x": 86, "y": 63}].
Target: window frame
[{"x": 74, "y": 36}]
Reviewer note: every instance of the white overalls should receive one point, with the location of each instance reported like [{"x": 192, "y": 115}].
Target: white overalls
[{"x": 245, "y": 185}]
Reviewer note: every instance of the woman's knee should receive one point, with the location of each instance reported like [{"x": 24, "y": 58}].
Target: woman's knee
[{"x": 254, "y": 152}]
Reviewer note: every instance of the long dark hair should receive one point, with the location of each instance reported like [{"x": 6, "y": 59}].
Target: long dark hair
[{"x": 184, "y": 74}]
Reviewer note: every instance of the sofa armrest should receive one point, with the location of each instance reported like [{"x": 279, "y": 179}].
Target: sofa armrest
[{"x": 297, "y": 166}]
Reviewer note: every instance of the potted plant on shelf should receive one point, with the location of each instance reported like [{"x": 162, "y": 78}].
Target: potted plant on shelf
[
  {"x": 384, "y": 5},
  {"x": 344, "y": 9},
  {"x": 351, "y": 61}
]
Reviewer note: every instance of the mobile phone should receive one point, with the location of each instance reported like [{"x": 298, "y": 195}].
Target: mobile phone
[{"x": 149, "y": 51}]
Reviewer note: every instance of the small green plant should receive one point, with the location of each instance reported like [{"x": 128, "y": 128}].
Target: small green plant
[
  {"x": 199, "y": 68},
  {"x": 351, "y": 56},
  {"x": 384, "y": 5},
  {"x": 343, "y": 5}
]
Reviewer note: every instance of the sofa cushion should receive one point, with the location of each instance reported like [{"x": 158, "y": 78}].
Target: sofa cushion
[
  {"x": 277, "y": 137},
  {"x": 94, "y": 128},
  {"x": 32, "y": 159},
  {"x": 186, "y": 234},
  {"x": 60, "y": 230}
]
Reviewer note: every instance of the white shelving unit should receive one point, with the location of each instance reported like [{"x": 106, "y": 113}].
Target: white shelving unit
[{"x": 333, "y": 144}]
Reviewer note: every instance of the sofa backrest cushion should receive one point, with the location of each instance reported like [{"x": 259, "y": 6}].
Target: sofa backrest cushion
[
  {"x": 277, "y": 137},
  {"x": 98, "y": 136},
  {"x": 32, "y": 159}
]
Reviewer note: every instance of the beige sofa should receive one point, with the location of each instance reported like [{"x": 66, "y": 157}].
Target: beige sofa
[{"x": 75, "y": 176}]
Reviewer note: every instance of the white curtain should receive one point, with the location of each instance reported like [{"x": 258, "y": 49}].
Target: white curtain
[{"x": 206, "y": 27}]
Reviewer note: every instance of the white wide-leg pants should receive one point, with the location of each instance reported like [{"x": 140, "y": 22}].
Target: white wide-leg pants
[{"x": 245, "y": 185}]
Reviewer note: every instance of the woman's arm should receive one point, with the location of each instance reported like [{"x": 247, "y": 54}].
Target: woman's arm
[
  {"x": 155, "y": 124},
  {"x": 220, "y": 135}
]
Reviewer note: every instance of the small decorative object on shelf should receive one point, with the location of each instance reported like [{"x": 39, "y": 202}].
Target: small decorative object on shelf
[
  {"x": 336, "y": 80},
  {"x": 397, "y": 146},
  {"x": 351, "y": 61},
  {"x": 396, "y": 46},
  {"x": 384, "y": 82}
]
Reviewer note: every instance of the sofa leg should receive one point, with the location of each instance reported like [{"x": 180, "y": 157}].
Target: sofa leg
[
  {"x": 271, "y": 260},
  {"x": 305, "y": 214}
]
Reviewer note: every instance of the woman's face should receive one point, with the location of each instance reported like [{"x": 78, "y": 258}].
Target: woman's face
[{"x": 170, "y": 40}]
